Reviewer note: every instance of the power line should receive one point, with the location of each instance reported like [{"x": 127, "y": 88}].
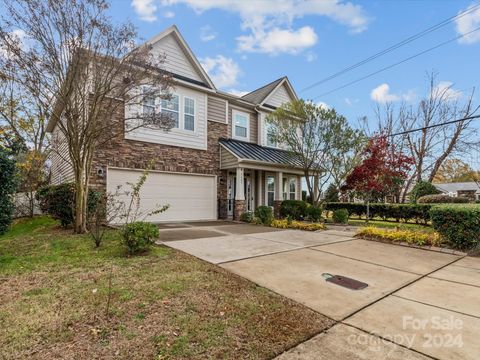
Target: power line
[
  {"x": 436, "y": 125},
  {"x": 393, "y": 47},
  {"x": 397, "y": 63}
]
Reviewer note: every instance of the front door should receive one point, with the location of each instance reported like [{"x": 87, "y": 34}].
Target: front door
[{"x": 248, "y": 191}]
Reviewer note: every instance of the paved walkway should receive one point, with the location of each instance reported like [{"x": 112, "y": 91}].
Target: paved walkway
[{"x": 419, "y": 304}]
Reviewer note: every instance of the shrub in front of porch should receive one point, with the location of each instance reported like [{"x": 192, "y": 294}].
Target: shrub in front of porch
[
  {"x": 295, "y": 209},
  {"x": 264, "y": 214}
]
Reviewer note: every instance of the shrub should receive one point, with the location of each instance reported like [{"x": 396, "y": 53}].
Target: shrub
[
  {"x": 7, "y": 189},
  {"x": 247, "y": 216},
  {"x": 314, "y": 213},
  {"x": 264, "y": 214},
  {"x": 408, "y": 236},
  {"x": 458, "y": 224},
  {"x": 422, "y": 188},
  {"x": 340, "y": 216},
  {"x": 59, "y": 201},
  {"x": 404, "y": 212},
  {"x": 139, "y": 236},
  {"x": 298, "y": 225},
  {"x": 442, "y": 199},
  {"x": 293, "y": 208}
]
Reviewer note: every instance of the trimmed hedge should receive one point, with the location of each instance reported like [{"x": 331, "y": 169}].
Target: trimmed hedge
[
  {"x": 296, "y": 209},
  {"x": 442, "y": 199},
  {"x": 458, "y": 224},
  {"x": 399, "y": 212},
  {"x": 59, "y": 201}
]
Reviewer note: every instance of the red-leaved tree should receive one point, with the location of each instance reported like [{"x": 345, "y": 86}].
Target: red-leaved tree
[{"x": 381, "y": 173}]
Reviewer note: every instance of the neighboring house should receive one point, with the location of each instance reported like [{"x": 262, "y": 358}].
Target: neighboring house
[
  {"x": 218, "y": 162},
  {"x": 469, "y": 190}
]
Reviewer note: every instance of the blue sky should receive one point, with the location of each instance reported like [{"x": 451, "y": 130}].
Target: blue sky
[{"x": 246, "y": 44}]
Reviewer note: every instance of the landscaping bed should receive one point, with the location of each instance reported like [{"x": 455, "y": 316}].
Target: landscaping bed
[{"x": 62, "y": 298}]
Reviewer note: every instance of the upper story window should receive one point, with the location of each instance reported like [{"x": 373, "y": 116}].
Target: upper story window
[
  {"x": 270, "y": 138},
  {"x": 241, "y": 125},
  {"x": 189, "y": 114},
  {"x": 148, "y": 103},
  {"x": 171, "y": 107}
]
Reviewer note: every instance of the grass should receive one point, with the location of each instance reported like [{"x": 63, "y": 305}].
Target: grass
[
  {"x": 62, "y": 298},
  {"x": 387, "y": 224}
]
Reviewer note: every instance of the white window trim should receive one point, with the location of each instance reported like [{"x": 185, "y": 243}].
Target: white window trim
[
  {"x": 267, "y": 175},
  {"x": 160, "y": 108},
  {"x": 236, "y": 112},
  {"x": 275, "y": 146},
  {"x": 194, "y": 113}
]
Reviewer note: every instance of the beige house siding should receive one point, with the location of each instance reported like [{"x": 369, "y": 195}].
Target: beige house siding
[
  {"x": 253, "y": 122},
  {"x": 216, "y": 110},
  {"x": 227, "y": 160},
  {"x": 176, "y": 61},
  {"x": 278, "y": 97},
  {"x": 61, "y": 168}
]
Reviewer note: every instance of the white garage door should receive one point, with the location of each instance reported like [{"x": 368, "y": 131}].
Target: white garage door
[{"x": 191, "y": 197}]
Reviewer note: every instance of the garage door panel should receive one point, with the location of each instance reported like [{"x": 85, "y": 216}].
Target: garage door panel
[{"x": 190, "y": 196}]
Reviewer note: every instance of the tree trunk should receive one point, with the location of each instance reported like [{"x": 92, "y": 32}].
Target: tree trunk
[{"x": 80, "y": 204}]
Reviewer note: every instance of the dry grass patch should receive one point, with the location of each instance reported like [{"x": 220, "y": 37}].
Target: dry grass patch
[{"x": 61, "y": 298}]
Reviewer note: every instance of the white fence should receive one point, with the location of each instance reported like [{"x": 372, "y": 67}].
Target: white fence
[{"x": 22, "y": 205}]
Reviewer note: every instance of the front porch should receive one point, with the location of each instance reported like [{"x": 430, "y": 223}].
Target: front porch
[{"x": 256, "y": 176}]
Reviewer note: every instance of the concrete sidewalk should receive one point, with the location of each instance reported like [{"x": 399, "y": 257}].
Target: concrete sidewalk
[{"x": 406, "y": 287}]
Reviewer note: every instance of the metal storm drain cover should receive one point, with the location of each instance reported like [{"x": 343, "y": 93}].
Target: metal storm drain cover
[{"x": 344, "y": 281}]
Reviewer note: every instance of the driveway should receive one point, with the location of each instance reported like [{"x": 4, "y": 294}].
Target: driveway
[{"x": 419, "y": 304}]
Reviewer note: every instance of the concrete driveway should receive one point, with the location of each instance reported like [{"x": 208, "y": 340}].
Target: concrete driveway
[{"x": 418, "y": 304}]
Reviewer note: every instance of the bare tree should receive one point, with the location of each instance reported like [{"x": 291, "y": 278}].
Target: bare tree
[
  {"x": 319, "y": 140},
  {"x": 74, "y": 54},
  {"x": 24, "y": 117},
  {"x": 437, "y": 140}
]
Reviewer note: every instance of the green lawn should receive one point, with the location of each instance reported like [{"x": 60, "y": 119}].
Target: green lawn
[
  {"x": 62, "y": 298},
  {"x": 387, "y": 224}
]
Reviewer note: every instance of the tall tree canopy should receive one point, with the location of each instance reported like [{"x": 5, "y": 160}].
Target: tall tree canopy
[
  {"x": 74, "y": 59},
  {"x": 320, "y": 138}
]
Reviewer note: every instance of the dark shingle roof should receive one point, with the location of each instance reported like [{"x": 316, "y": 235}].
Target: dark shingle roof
[
  {"x": 249, "y": 151},
  {"x": 257, "y": 96}
]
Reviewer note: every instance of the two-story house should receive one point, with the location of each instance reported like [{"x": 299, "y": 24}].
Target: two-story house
[{"x": 217, "y": 162}]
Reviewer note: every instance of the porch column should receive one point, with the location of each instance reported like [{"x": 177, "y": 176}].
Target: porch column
[
  {"x": 298, "y": 187},
  {"x": 239, "y": 195},
  {"x": 278, "y": 196},
  {"x": 315, "y": 188},
  {"x": 259, "y": 193}
]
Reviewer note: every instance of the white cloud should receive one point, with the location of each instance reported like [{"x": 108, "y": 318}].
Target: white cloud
[
  {"x": 168, "y": 14},
  {"x": 278, "y": 41},
  {"x": 466, "y": 24},
  {"x": 382, "y": 94},
  {"x": 207, "y": 33},
  {"x": 311, "y": 56},
  {"x": 351, "y": 102},
  {"x": 20, "y": 38},
  {"x": 238, "y": 92},
  {"x": 145, "y": 9},
  {"x": 269, "y": 23},
  {"x": 222, "y": 70},
  {"x": 444, "y": 89},
  {"x": 323, "y": 105}
]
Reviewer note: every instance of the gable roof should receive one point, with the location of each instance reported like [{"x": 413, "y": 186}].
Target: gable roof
[
  {"x": 173, "y": 30},
  {"x": 262, "y": 94},
  {"x": 257, "y": 96},
  {"x": 254, "y": 152},
  {"x": 460, "y": 186}
]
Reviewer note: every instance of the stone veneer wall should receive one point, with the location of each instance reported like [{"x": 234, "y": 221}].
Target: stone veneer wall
[{"x": 120, "y": 152}]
